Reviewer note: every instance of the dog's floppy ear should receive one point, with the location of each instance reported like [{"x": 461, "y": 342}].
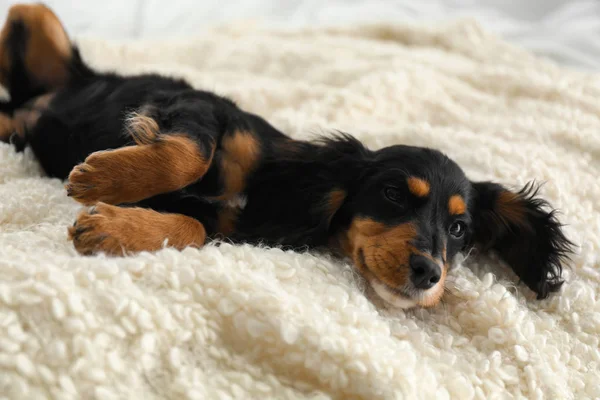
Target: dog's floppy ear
[{"x": 523, "y": 231}]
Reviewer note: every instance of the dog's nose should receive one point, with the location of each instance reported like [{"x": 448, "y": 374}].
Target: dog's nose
[{"x": 424, "y": 272}]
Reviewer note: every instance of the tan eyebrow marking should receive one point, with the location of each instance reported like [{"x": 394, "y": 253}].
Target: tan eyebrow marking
[
  {"x": 456, "y": 205},
  {"x": 418, "y": 186}
]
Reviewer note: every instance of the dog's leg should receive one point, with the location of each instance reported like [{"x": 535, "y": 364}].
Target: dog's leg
[
  {"x": 35, "y": 59},
  {"x": 35, "y": 53},
  {"x": 23, "y": 118},
  {"x": 161, "y": 162},
  {"x": 7, "y": 127},
  {"x": 120, "y": 230}
]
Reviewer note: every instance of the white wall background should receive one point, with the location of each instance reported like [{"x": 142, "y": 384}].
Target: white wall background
[{"x": 565, "y": 30}]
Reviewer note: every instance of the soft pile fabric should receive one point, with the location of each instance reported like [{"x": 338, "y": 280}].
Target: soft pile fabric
[{"x": 245, "y": 322}]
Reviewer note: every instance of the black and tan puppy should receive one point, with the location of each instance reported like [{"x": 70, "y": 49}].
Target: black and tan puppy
[{"x": 160, "y": 160}]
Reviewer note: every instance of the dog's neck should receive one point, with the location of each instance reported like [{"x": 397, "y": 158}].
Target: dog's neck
[{"x": 295, "y": 195}]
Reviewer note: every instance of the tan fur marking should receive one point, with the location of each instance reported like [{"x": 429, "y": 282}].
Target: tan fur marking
[
  {"x": 227, "y": 220},
  {"x": 19, "y": 123},
  {"x": 240, "y": 154},
  {"x": 24, "y": 118},
  {"x": 143, "y": 129},
  {"x": 48, "y": 49},
  {"x": 511, "y": 208},
  {"x": 335, "y": 199},
  {"x": 117, "y": 231},
  {"x": 418, "y": 186},
  {"x": 134, "y": 173},
  {"x": 387, "y": 252},
  {"x": 7, "y": 127},
  {"x": 30, "y": 117},
  {"x": 456, "y": 205}
]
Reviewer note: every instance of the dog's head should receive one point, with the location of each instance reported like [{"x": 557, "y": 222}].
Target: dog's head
[{"x": 410, "y": 210}]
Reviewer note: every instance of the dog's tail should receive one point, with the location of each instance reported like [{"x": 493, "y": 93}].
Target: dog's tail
[{"x": 36, "y": 55}]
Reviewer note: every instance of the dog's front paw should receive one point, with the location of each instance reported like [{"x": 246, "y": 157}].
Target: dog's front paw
[
  {"x": 100, "y": 230},
  {"x": 95, "y": 180},
  {"x": 118, "y": 231}
]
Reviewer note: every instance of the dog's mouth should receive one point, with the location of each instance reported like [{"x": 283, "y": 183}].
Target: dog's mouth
[
  {"x": 406, "y": 296},
  {"x": 402, "y": 298}
]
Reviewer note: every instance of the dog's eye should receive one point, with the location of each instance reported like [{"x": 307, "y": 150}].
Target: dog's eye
[
  {"x": 393, "y": 194},
  {"x": 457, "y": 229}
]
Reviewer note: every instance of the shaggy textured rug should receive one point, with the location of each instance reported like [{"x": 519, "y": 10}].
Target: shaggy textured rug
[{"x": 246, "y": 322}]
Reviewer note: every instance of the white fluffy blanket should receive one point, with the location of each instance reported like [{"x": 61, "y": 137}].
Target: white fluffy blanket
[{"x": 246, "y": 322}]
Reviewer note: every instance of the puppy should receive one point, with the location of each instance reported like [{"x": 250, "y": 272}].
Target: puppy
[{"x": 160, "y": 161}]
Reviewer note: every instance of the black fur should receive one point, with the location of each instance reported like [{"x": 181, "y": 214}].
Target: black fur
[{"x": 535, "y": 248}]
